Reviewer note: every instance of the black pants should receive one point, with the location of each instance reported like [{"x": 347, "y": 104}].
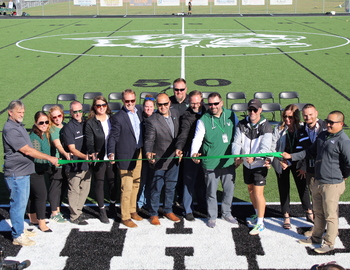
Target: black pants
[
  {"x": 284, "y": 189},
  {"x": 37, "y": 196},
  {"x": 101, "y": 170},
  {"x": 57, "y": 188}
]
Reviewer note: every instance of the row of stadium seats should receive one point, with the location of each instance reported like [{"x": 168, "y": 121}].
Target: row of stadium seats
[{"x": 274, "y": 108}]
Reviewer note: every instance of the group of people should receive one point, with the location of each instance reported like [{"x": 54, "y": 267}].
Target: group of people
[{"x": 174, "y": 141}]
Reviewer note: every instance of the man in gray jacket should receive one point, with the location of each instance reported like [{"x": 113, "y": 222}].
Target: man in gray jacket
[{"x": 331, "y": 152}]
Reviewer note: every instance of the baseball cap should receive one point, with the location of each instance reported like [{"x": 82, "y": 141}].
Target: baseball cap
[{"x": 255, "y": 103}]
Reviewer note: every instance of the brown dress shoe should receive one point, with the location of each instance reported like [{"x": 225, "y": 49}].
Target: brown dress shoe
[
  {"x": 172, "y": 217},
  {"x": 155, "y": 220},
  {"x": 135, "y": 216},
  {"x": 129, "y": 223}
]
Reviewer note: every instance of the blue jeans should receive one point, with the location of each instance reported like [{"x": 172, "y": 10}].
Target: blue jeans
[
  {"x": 161, "y": 178},
  {"x": 19, "y": 193}
]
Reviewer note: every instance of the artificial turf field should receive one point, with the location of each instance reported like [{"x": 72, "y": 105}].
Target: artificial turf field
[{"x": 42, "y": 58}]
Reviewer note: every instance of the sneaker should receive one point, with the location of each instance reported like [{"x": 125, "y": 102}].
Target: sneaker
[
  {"x": 58, "y": 218},
  {"x": 79, "y": 221},
  {"x": 211, "y": 223},
  {"x": 307, "y": 241},
  {"x": 309, "y": 232},
  {"x": 258, "y": 228},
  {"x": 231, "y": 219},
  {"x": 189, "y": 217},
  {"x": 29, "y": 233},
  {"x": 324, "y": 249},
  {"x": 251, "y": 221},
  {"x": 23, "y": 240}
]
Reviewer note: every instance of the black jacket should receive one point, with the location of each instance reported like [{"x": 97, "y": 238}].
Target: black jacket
[
  {"x": 188, "y": 128},
  {"x": 95, "y": 137}
]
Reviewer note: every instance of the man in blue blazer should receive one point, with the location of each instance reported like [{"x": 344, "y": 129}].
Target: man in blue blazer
[
  {"x": 125, "y": 142},
  {"x": 162, "y": 129}
]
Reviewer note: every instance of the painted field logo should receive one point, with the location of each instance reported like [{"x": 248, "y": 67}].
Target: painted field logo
[
  {"x": 249, "y": 40},
  {"x": 217, "y": 43}
]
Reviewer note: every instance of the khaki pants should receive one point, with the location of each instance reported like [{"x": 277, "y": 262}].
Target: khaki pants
[
  {"x": 325, "y": 199},
  {"x": 130, "y": 183},
  {"x": 78, "y": 190}
]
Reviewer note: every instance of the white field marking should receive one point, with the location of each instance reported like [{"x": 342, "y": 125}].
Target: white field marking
[
  {"x": 183, "y": 52},
  {"x": 347, "y": 41}
]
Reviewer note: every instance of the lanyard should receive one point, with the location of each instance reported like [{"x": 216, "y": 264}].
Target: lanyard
[{"x": 291, "y": 143}]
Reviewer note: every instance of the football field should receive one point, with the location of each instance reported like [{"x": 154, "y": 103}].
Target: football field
[{"x": 44, "y": 57}]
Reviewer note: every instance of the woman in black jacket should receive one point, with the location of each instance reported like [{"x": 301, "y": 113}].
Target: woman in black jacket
[{"x": 97, "y": 130}]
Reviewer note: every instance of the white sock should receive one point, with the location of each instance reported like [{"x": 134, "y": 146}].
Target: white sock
[{"x": 260, "y": 220}]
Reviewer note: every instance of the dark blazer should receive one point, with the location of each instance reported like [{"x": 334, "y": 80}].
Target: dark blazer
[
  {"x": 95, "y": 137},
  {"x": 122, "y": 140},
  {"x": 159, "y": 140}
]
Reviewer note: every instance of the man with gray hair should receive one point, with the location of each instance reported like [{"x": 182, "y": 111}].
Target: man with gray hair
[{"x": 19, "y": 154}]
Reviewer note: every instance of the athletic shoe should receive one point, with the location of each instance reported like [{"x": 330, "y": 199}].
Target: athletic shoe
[
  {"x": 231, "y": 219},
  {"x": 79, "y": 221},
  {"x": 211, "y": 223},
  {"x": 307, "y": 241},
  {"x": 29, "y": 233},
  {"x": 324, "y": 249},
  {"x": 58, "y": 218},
  {"x": 251, "y": 221},
  {"x": 258, "y": 228},
  {"x": 23, "y": 240}
]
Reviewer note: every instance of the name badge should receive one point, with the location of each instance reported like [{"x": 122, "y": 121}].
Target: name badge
[{"x": 224, "y": 138}]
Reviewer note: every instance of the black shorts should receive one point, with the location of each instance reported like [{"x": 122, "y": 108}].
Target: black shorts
[{"x": 256, "y": 176}]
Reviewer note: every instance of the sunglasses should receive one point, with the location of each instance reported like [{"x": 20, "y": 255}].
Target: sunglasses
[
  {"x": 149, "y": 98},
  {"x": 162, "y": 104},
  {"x": 43, "y": 122},
  {"x": 179, "y": 89},
  {"x": 104, "y": 105},
  {"x": 214, "y": 104},
  {"x": 252, "y": 110},
  {"x": 331, "y": 122},
  {"x": 58, "y": 116},
  {"x": 129, "y": 101},
  {"x": 289, "y": 117},
  {"x": 80, "y": 111}
]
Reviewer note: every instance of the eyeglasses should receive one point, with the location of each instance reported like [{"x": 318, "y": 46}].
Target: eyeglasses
[
  {"x": 150, "y": 98},
  {"x": 79, "y": 111},
  {"x": 162, "y": 104},
  {"x": 252, "y": 110},
  {"x": 214, "y": 104},
  {"x": 43, "y": 122},
  {"x": 129, "y": 101},
  {"x": 104, "y": 105},
  {"x": 331, "y": 122},
  {"x": 58, "y": 116},
  {"x": 288, "y": 116},
  {"x": 179, "y": 89}
]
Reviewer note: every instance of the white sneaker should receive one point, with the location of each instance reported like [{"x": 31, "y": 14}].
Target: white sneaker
[
  {"x": 258, "y": 228},
  {"x": 252, "y": 220},
  {"x": 23, "y": 240},
  {"x": 29, "y": 233}
]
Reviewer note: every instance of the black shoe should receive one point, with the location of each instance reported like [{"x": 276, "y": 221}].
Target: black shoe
[
  {"x": 103, "y": 216},
  {"x": 189, "y": 217},
  {"x": 79, "y": 221}
]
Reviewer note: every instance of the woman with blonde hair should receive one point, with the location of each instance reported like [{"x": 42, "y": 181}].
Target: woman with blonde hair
[
  {"x": 58, "y": 177},
  {"x": 97, "y": 130},
  {"x": 284, "y": 139}
]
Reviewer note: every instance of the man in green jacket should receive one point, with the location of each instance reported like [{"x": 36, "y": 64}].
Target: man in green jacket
[{"x": 213, "y": 137}]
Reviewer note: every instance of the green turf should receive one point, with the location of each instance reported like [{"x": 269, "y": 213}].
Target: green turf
[{"x": 314, "y": 74}]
